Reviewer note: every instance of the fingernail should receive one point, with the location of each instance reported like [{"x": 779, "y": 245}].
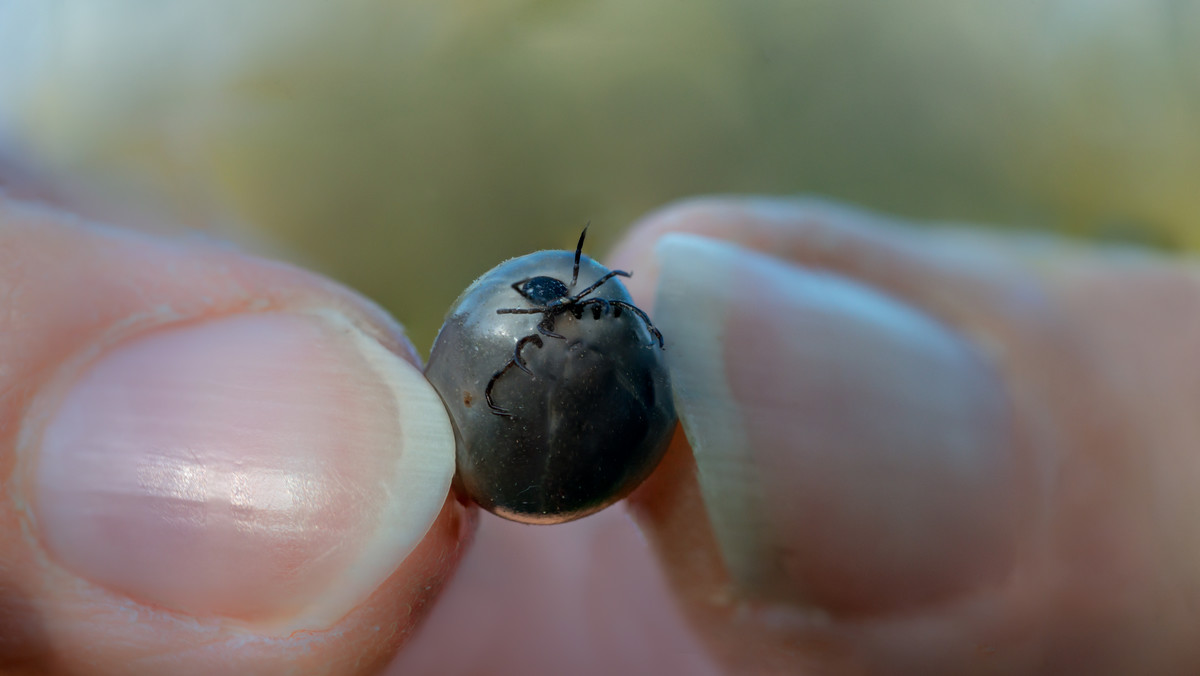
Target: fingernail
[
  {"x": 267, "y": 467},
  {"x": 852, "y": 451}
]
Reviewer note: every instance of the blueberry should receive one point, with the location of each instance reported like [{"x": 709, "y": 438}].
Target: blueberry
[{"x": 556, "y": 385}]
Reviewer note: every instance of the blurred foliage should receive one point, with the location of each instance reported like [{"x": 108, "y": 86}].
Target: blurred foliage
[{"x": 405, "y": 146}]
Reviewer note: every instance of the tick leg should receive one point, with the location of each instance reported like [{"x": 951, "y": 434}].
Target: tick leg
[
  {"x": 487, "y": 391},
  {"x": 546, "y": 328},
  {"x": 578, "y": 252},
  {"x": 523, "y": 311},
  {"x": 517, "y": 361},
  {"x": 531, "y": 338},
  {"x": 599, "y": 307},
  {"x": 596, "y": 284},
  {"x": 654, "y": 333}
]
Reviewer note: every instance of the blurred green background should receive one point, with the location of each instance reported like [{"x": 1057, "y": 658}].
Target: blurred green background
[{"x": 405, "y": 146}]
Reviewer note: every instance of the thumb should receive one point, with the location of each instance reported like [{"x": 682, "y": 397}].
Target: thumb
[
  {"x": 922, "y": 451},
  {"x": 212, "y": 463}
]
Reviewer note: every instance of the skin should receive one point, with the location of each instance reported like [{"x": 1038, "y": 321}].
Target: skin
[
  {"x": 1096, "y": 541},
  {"x": 59, "y": 266},
  {"x": 1094, "y": 349}
]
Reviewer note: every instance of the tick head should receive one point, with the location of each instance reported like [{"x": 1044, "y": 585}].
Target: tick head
[{"x": 542, "y": 290}]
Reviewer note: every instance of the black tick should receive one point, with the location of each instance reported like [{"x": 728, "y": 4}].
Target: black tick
[
  {"x": 552, "y": 298},
  {"x": 571, "y": 426}
]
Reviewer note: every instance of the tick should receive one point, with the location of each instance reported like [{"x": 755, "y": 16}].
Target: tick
[
  {"x": 564, "y": 428},
  {"x": 552, "y": 298}
]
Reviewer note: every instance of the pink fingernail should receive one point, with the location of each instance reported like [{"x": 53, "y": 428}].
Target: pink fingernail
[
  {"x": 264, "y": 467},
  {"x": 853, "y": 452}
]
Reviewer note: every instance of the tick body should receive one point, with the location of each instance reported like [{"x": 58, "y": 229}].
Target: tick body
[{"x": 556, "y": 385}]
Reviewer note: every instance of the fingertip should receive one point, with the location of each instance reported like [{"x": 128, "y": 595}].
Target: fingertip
[
  {"x": 241, "y": 453},
  {"x": 241, "y": 466},
  {"x": 851, "y": 451}
]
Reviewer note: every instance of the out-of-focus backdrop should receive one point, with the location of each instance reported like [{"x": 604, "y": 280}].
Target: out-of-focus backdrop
[{"x": 405, "y": 146}]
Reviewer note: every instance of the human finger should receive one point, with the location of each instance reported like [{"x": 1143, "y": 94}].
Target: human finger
[
  {"x": 921, "y": 451},
  {"x": 213, "y": 463}
]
